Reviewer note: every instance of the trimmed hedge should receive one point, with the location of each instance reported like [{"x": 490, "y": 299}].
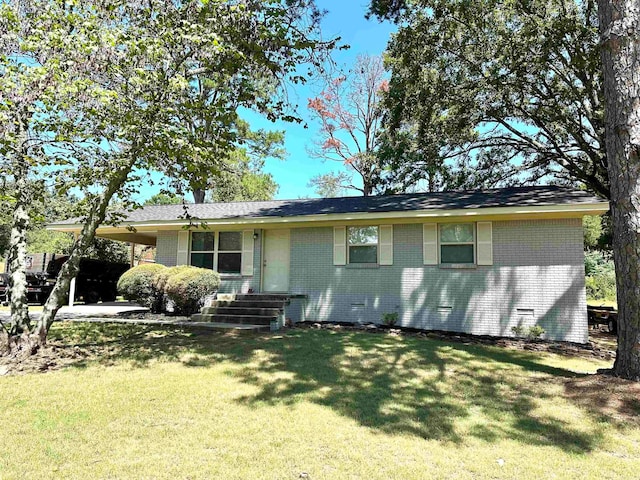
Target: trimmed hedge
[
  {"x": 137, "y": 284},
  {"x": 160, "y": 279},
  {"x": 187, "y": 286}
]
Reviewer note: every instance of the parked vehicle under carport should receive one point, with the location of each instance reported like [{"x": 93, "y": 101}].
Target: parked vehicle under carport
[
  {"x": 96, "y": 280},
  {"x": 38, "y": 287}
]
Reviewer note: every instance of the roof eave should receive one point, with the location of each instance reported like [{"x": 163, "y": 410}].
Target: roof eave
[{"x": 513, "y": 212}]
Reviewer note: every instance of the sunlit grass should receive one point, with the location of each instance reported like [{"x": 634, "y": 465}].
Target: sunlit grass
[
  {"x": 336, "y": 405},
  {"x": 32, "y": 308}
]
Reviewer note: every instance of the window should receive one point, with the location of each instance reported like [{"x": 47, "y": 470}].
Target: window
[
  {"x": 363, "y": 244},
  {"x": 457, "y": 243},
  {"x": 220, "y": 251},
  {"x": 202, "y": 249},
  {"x": 229, "y": 252}
]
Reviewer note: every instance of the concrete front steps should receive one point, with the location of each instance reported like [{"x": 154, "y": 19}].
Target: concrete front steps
[{"x": 249, "y": 311}]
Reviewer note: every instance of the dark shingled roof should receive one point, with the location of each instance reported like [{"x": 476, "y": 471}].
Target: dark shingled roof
[{"x": 505, "y": 197}]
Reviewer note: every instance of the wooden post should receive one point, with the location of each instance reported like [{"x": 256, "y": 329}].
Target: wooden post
[{"x": 133, "y": 254}]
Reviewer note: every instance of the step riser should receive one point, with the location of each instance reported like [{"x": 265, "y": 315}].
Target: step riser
[
  {"x": 261, "y": 297},
  {"x": 247, "y": 304},
  {"x": 274, "y": 312},
  {"x": 233, "y": 328},
  {"x": 249, "y": 320}
]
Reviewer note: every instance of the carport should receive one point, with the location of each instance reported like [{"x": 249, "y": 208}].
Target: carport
[{"x": 133, "y": 237}]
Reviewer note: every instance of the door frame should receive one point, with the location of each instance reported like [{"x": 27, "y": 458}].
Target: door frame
[{"x": 263, "y": 250}]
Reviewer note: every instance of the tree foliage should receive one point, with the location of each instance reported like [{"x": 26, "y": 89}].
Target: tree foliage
[
  {"x": 48, "y": 207},
  {"x": 348, "y": 110},
  {"x": 244, "y": 181},
  {"x": 164, "y": 199},
  {"x": 509, "y": 92},
  {"x": 93, "y": 95},
  {"x": 241, "y": 177},
  {"x": 331, "y": 184}
]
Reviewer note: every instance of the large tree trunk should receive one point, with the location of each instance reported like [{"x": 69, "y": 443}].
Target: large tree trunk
[
  {"x": 70, "y": 268},
  {"x": 198, "y": 195},
  {"x": 619, "y": 30},
  {"x": 18, "y": 250}
]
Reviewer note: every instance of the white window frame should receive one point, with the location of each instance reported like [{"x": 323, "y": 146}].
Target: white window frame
[
  {"x": 377, "y": 245},
  {"x": 473, "y": 243},
  {"x": 216, "y": 250}
]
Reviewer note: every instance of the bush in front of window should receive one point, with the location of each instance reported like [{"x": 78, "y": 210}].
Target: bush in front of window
[
  {"x": 137, "y": 284},
  {"x": 186, "y": 287},
  {"x": 160, "y": 279}
]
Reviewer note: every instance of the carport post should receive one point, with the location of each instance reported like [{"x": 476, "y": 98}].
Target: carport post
[
  {"x": 72, "y": 284},
  {"x": 72, "y": 291},
  {"x": 133, "y": 254}
]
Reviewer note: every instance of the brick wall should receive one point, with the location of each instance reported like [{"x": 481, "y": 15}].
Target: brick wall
[
  {"x": 537, "y": 278},
  {"x": 167, "y": 248}
]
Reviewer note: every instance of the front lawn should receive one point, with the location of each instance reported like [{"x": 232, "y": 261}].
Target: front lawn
[{"x": 139, "y": 402}]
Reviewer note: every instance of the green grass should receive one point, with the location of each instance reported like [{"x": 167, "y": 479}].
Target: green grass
[
  {"x": 32, "y": 308},
  {"x": 337, "y": 405}
]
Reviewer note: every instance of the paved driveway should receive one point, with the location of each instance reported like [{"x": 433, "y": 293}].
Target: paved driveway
[{"x": 107, "y": 309}]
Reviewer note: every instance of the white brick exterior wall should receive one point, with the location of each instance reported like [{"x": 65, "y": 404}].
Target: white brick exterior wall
[
  {"x": 537, "y": 278},
  {"x": 538, "y": 266}
]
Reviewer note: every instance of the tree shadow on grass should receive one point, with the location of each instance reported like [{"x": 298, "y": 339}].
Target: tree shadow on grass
[
  {"x": 398, "y": 385},
  {"x": 139, "y": 345},
  {"x": 430, "y": 389}
]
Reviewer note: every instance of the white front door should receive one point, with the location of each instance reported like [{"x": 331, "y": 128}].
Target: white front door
[{"x": 275, "y": 261}]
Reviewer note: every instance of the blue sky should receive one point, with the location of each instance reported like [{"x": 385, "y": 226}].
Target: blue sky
[{"x": 346, "y": 19}]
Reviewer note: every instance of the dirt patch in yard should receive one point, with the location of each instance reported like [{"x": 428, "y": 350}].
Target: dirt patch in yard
[
  {"x": 54, "y": 356},
  {"x": 609, "y": 396}
]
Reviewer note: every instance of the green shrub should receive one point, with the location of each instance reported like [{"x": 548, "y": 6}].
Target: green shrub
[
  {"x": 601, "y": 286},
  {"x": 532, "y": 333},
  {"x": 535, "y": 332},
  {"x": 186, "y": 287},
  {"x": 597, "y": 262},
  {"x": 160, "y": 280},
  {"x": 137, "y": 285},
  {"x": 518, "y": 331},
  {"x": 390, "y": 318},
  {"x": 600, "y": 277}
]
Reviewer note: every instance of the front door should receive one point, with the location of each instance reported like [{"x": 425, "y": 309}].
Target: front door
[{"x": 275, "y": 261}]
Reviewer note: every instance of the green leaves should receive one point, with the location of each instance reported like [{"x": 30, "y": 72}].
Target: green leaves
[
  {"x": 469, "y": 78},
  {"x": 91, "y": 92}
]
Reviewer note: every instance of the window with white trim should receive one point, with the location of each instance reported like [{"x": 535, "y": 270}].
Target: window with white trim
[
  {"x": 362, "y": 244},
  {"x": 457, "y": 243},
  {"x": 219, "y": 251}
]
